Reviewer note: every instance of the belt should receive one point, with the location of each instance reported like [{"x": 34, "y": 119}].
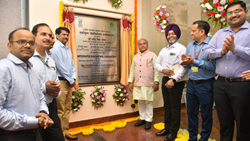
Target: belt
[
  {"x": 17, "y": 132},
  {"x": 62, "y": 78},
  {"x": 201, "y": 81},
  {"x": 232, "y": 79}
]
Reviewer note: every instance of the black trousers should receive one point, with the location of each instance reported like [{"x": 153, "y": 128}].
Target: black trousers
[
  {"x": 28, "y": 136},
  {"x": 172, "y": 105},
  {"x": 232, "y": 101},
  {"x": 54, "y": 132}
]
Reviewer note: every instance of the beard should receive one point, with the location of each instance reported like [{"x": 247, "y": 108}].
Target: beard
[{"x": 173, "y": 41}]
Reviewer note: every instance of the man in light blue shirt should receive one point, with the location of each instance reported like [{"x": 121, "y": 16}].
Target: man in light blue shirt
[
  {"x": 45, "y": 67},
  {"x": 201, "y": 73},
  {"x": 66, "y": 71},
  {"x": 22, "y": 104}
]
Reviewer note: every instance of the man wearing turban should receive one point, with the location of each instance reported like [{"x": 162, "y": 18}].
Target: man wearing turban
[{"x": 168, "y": 57}]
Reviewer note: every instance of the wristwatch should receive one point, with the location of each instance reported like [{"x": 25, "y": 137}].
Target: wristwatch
[
  {"x": 156, "y": 82},
  {"x": 173, "y": 80}
]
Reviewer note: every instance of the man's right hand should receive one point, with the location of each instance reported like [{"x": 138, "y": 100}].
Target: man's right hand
[
  {"x": 53, "y": 88},
  {"x": 224, "y": 50},
  {"x": 73, "y": 85},
  {"x": 44, "y": 120},
  {"x": 130, "y": 85},
  {"x": 168, "y": 72}
]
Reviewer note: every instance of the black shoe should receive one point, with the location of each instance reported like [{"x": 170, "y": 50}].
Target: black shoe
[
  {"x": 147, "y": 125},
  {"x": 141, "y": 122},
  {"x": 170, "y": 137},
  {"x": 163, "y": 132}
]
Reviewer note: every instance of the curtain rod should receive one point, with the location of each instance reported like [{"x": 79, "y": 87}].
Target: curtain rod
[{"x": 90, "y": 8}]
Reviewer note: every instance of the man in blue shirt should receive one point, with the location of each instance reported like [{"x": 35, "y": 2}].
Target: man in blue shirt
[
  {"x": 66, "y": 71},
  {"x": 22, "y": 104},
  {"x": 201, "y": 73}
]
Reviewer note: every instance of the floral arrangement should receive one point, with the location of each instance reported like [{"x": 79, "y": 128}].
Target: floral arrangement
[
  {"x": 116, "y": 3},
  {"x": 120, "y": 95},
  {"x": 77, "y": 98},
  {"x": 161, "y": 18},
  {"x": 81, "y": 0},
  {"x": 98, "y": 96},
  {"x": 215, "y": 10}
]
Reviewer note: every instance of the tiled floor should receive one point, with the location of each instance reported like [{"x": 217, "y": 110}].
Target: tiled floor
[{"x": 131, "y": 133}]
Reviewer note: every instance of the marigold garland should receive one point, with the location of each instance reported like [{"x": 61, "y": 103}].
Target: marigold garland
[
  {"x": 136, "y": 27},
  {"x": 132, "y": 37},
  {"x": 182, "y": 134},
  {"x": 60, "y": 14},
  {"x": 107, "y": 126}
]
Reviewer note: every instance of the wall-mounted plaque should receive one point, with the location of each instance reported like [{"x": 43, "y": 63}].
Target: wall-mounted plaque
[{"x": 98, "y": 43}]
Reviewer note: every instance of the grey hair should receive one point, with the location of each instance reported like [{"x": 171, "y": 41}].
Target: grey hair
[{"x": 142, "y": 39}]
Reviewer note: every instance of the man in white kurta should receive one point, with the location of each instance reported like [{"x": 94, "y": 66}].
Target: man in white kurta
[{"x": 146, "y": 82}]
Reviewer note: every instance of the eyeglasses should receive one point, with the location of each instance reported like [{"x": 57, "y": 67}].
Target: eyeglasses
[
  {"x": 24, "y": 42},
  {"x": 235, "y": 12}
]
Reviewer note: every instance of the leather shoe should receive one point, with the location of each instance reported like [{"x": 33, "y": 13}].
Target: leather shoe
[
  {"x": 163, "y": 132},
  {"x": 70, "y": 137},
  {"x": 170, "y": 137},
  {"x": 141, "y": 122},
  {"x": 147, "y": 125}
]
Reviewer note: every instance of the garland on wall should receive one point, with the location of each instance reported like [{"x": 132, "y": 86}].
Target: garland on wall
[
  {"x": 98, "y": 96},
  {"x": 60, "y": 14},
  {"x": 77, "y": 98}
]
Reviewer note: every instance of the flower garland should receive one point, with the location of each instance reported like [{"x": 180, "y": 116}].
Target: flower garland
[
  {"x": 120, "y": 95},
  {"x": 132, "y": 37},
  {"x": 215, "y": 10},
  {"x": 77, "y": 100},
  {"x": 98, "y": 96},
  {"x": 116, "y": 3},
  {"x": 182, "y": 134},
  {"x": 60, "y": 14},
  {"x": 83, "y": 1},
  {"x": 107, "y": 126},
  {"x": 135, "y": 27},
  {"x": 161, "y": 18}
]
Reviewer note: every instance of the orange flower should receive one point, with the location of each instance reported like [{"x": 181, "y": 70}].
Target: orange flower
[
  {"x": 209, "y": 15},
  {"x": 156, "y": 13},
  {"x": 217, "y": 5},
  {"x": 157, "y": 24},
  {"x": 204, "y": 1},
  {"x": 215, "y": 19},
  {"x": 231, "y": 1},
  {"x": 162, "y": 17},
  {"x": 223, "y": 13}
]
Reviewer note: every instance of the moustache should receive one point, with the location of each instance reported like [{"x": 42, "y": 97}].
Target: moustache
[
  {"x": 46, "y": 41},
  {"x": 235, "y": 17}
]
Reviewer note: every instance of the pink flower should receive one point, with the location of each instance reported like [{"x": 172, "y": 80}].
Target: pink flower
[
  {"x": 154, "y": 12},
  {"x": 167, "y": 14},
  {"x": 223, "y": 19},
  {"x": 126, "y": 99},
  {"x": 79, "y": 106},
  {"x": 94, "y": 89},
  {"x": 168, "y": 19},
  {"x": 79, "y": 94},
  {"x": 166, "y": 9},
  {"x": 222, "y": 1},
  {"x": 78, "y": 98},
  {"x": 158, "y": 20},
  {"x": 98, "y": 102},
  {"x": 125, "y": 91},
  {"x": 161, "y": 14},
  {"x": 161, "y": 10},
  {"x": 120, "y": 98},
  {"x": 100, "y": 91},
  {"x": 215, "y": 1},
  {"x": 162, "y": 24},
  {"x": 98, "y": 97},
  {"x": 126, "y": 88},
  {"x": 160, "y": 27},
  {"x": 75, "y": 104},
  {"x": 121, "y": 103},
  {"x": 125, "y": 95},
  {"x": 102, "y": 102},
  {"x": 220, "y": 9},
  {"x": 92, "y": 96},
  {"x": 122, "y": 86},
  {"x": 205, "y": 11},
  {"x": 97, "y": 105},
  {"x": 103, "y": 92},
  {"x": 116, "y": 94},
  {"x": 115, "y": 3},
  {"x": 105, "y": 97}
]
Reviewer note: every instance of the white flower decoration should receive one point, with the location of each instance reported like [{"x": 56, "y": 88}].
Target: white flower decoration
[
  {"x": 93, "y": 100},
  {"x": 162, "y": 30},
  {"x": 103, "y": 99},
  {"x": 73, "y": 97},
  {"x": 164, "y": 27},
  {"x": 157, "y": 17},
  {"x": 121, "y": 94},
  {"x": 119, "y": 90},
  {"x": 95, "y": 93},
  {"x": 117, "y": 100},
  {"x": 99, "y": 87},
  {"x": 225, "y": 6},
  {"x": 164, "y": 6},
  {"x": 217, "y": 16},
  {"x": 208, "y": 6},
  {"x": 157, "y": 8},
  {"x": 164, "y": 21},
  {"x": 123, "y": 99},
  {"x": 202, "y": 5}
]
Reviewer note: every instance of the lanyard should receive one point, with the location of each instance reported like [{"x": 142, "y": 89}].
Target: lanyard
[
  {"x": 196, "y": 57},
  {"x": 45, "y": 63}
]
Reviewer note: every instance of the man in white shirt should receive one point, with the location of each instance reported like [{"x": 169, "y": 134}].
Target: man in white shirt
[
  {"x": 146, "y": 82},
  {"x": 171, "y": 89},
  {"x": 45, "y": 67}
]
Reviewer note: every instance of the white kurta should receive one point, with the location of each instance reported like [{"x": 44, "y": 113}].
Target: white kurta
[{"x": 144, "y": 93}]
